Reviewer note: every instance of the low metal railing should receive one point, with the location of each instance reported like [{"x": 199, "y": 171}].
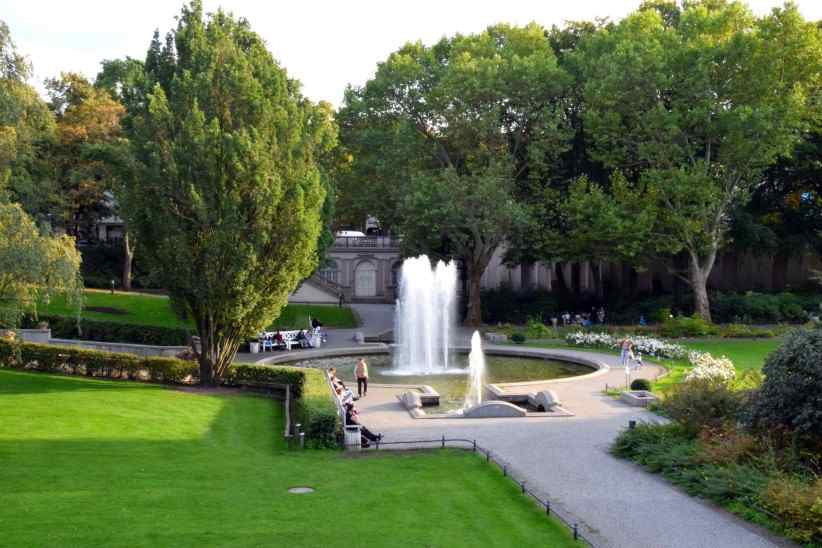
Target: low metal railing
[{"x": 366, "y": 241}]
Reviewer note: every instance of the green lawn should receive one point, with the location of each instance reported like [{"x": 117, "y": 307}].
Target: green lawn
[
  {"x": 145, "y": 309},
  {"x": 103, "y": 463},
  {"x": 744, "y": 353}
]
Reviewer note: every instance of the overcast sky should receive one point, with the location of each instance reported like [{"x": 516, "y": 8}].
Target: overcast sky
[{"x": 324, "y": 44}]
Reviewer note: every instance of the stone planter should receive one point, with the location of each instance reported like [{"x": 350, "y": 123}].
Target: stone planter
[
  {"x": 254, "y": 347},
  {"x": 40, "y": 336},
  {"x": 637, "y": 398}
]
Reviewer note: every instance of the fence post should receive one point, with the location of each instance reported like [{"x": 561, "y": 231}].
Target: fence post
[
  {"x": 443, "y": 441},
  {"x": 475, "y": 446},
  {"x": 488, "y": 456},
  {"x": 547, "y": 507},
  {"x": 504, "y": 470},
  {"x": 523, "y": 487},
  {"x": 302, "y": 440},
  {"x": 576, "y": 532}
]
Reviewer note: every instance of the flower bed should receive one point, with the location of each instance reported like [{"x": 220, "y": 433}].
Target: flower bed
[{"x": 648, "y": 346}]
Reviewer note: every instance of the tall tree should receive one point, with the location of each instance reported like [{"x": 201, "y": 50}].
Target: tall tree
[
  {"x": 456, "y": 125},
  {"x": 126, "y": 81},
  {"x": 695, "y": 102},
  {"x": 228, "y": 208},
  {"x": 26, "y": 128},
  {"x": 88, "y": 126}
]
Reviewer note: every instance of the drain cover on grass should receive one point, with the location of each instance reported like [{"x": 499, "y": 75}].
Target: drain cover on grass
[{"x": 300, "y": 490}]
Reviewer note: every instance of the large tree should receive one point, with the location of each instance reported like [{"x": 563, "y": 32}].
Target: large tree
[
  {"x": 228, "y": 206},
  {"x": 695, "y": 102},
  {"x": 442, "y": 138},
  {"x": 26, "y": 129}
]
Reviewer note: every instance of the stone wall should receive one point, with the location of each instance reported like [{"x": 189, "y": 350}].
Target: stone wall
[{"x": 43, "y": 336}]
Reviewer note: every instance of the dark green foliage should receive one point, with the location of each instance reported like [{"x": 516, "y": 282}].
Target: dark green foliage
[
  {"x": 687, "y": 326},
  {"x": 640, "y": 384},
  {"x": 93, "y": 330},
  {"x": 697, "y": 404},
  {"x": 103, "y": 263},
  {"x": 791, "y": 395},
  {"x": 505, "y": 305},
  {"x": 755, "y": 307},
  {"x": 317, "y": 411},
  {"x": 518, "y": 338}
]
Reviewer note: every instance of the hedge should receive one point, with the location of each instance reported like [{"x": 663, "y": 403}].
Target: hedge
[
  {"x": 315, "y": 405},
  {"x": 94, "y": 330},
  {"x": 317, "y": 410}
]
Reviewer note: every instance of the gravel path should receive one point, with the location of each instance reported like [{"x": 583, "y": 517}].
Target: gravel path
[{"x": 616, "y": 503}]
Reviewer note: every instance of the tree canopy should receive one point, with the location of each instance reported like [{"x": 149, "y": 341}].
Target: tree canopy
[
  {"x": 442, "y": 136},
  {"x": 228, "y": 203}
]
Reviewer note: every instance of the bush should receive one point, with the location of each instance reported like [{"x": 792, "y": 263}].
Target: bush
[
  {"x": 790, "y": 395},
  {"x": 799, "y": 504},
  {"x": 727, "y": 445},
  {"x": 687, "y": 326},
  {"x": 518, "y": 338},
  {"x": 702, "y": 403},
  {"x": 93, "y": 330},
  {"x": 538, "y": 330},
  {"x": 741, "y": 331},
  {"x": 640, "y": 384},
  {"x": 504, "y": 304},
  {"x": 317, "y": 410}
]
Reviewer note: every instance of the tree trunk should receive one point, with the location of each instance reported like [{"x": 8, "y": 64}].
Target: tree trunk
[
  {"x": 473, "y": 316},
  {"x": 698, "y": 277},
  {"x": 218, "y": 347},
  {"x": 128, "y": 261}
]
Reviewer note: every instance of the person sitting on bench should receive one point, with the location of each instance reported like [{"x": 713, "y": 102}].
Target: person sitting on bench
[
  {"x": 352, "y": 417},
  {"x": 278, "y": 339}
]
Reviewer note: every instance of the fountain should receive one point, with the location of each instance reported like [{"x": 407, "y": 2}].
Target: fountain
[
  {"x": 424, "y": 321},
  {"x": 476, "y": 373}
]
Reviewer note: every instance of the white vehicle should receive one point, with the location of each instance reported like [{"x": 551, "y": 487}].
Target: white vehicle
[{"x": 350, "y": 234}]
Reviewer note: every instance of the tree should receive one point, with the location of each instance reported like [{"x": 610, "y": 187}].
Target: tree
[
  {"x": 228, "y": 207},
  {"x": 695, "y": 103},
  {"x": 88, "y": 126},
  {"x": 26, "y": 127},
  {"x": 126, "y": 81},
  {"x": 33, "y": 266},
  {"x": 458, "y": 124}
]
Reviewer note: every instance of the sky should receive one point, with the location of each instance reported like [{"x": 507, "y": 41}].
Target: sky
[{"x": 324, "y": 44}]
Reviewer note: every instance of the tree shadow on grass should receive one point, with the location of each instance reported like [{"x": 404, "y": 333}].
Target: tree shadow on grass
[{"x": 26, "y": 382}]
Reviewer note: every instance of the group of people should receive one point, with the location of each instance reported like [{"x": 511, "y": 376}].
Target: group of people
[
  {"x": 347, "y": 399},
  {"x": 583, "y": 319}
]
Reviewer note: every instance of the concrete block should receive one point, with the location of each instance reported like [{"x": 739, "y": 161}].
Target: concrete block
[
  {"x": 491, "y": 409},
  {"x": 637, "y": 398},
  {"x": 411, "y": 400},
  {"x": 545, "y": 400}
]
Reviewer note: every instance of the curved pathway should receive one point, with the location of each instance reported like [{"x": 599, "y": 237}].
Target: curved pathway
[{"x": 616, "y": 503}]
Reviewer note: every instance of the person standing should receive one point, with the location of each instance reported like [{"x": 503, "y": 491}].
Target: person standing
[
  {"x": 362, "y": 378},
  {"x": 626, "y": 351}
]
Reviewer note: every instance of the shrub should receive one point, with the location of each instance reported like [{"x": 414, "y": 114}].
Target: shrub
[
  {"x": 741, "y": 331},
  {"x": 640, "y": 384},
  {"x": 317, "y": 410},
  {"x": 710, "y": 369},
  {"x": 687, "y": 326},
  {"x": 799, "y": 504},
  {"x": 538, "y": 330},
  {"x": 518, "y": 338},
  {"x": 702, "y": 403},
  {"x": 94, "y": 330},
  {"x": 504, "y": 304},
  {"x": 727, "y": 445},
  {"x": 790, "y": 395}
]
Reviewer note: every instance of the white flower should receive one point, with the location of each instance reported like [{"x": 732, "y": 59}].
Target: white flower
[{"x": 709, "y": 368}]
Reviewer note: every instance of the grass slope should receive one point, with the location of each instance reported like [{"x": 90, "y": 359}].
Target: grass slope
[
  {"x": 145, "y": 309},
  {"x": 101, "y": 463}
]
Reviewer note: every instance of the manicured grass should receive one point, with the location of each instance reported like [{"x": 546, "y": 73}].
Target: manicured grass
[
  {"x": 103, "y": 463},
  {"x": 145, "y": 309},
  {"x": 745, "y": 353}
]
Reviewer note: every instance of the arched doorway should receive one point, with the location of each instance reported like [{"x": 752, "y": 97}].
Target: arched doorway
[{"x": 365, "y": 279}]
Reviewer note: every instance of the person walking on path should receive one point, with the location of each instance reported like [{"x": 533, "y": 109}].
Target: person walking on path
[
  {"x": 362, "y": 378},
  {"x": 626, "y": 353}
]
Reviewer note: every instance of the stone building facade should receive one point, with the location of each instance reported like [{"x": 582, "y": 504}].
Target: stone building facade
[{"x": 366, "y": 269}]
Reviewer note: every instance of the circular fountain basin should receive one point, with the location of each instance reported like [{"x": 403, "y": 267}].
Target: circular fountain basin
[{"x": 452, "y": 385}]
